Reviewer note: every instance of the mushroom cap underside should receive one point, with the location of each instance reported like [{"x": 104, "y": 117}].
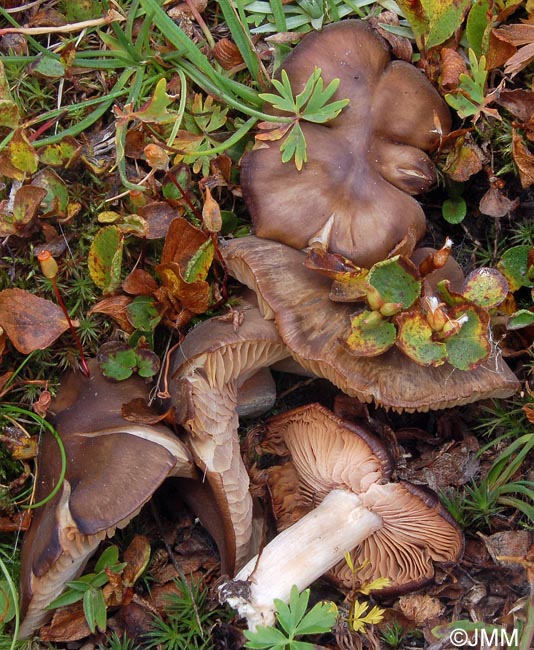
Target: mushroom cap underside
[
  {"x": 313, "y": 328},
  {"x": 328, "y": 453},
  {"x": 110, "y": 474},
  {"x": 364, "y": 164}
]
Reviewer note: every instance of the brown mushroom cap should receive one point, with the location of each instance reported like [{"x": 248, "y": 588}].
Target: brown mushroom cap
[
  {"x": 363, "y": 165},
  {"x": 330, "y": 453},
  {"x": 312, "y": 326},
  {"x": 113, "y": 468},
  {"x": 215, "y": 359}
]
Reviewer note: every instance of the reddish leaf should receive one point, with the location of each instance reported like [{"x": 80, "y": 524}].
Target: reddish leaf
[
  {"x": 182, "y": 242},
  {"x": 159, "y": 215},
  {"x": 139, "y": 283},
  {"x": 30, "y": 322}
]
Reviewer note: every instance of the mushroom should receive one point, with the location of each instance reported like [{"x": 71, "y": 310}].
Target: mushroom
[
  {"x": 215, "y": 362},
  {"x": 354, "y": 193},
  {"x": 395, "y": 530},
  {"x": 113, "y": 468},
  {"x": 313, "y": 328}
]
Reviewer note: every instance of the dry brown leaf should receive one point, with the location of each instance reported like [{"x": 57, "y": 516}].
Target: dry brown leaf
[
  {"x": 499, "y": 50},
  {"x": 519, "y": 102},
  {"x": 400, "y": 46},
  {"x": 139, "y": 283},
  {"x": 68, "y": 624},
  {"x": 211, "y": 213},
  {"x": 523, "y": 159},
  {"x": 496, "y": 204},
  {"x": 30, "y": 322},
  {"x": 182, "y": 241},
  {"x": 464, "y": 160},
  {"x": 452, "y": 66},
  {"x": 420, "y": 608},
  {"x": 517, "y": 35},
  {"x": 194, "y": 296},
  {"x": 158, "y": 216},
  {"x": 138, "y": 411},
  {"x": 115, "y": 306},
  {"x": 227, "y": 54}
]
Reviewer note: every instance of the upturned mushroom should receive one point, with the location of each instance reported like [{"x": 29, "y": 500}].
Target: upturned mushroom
[
  {"x": 395, "y": 529},
  {"x": 354, "y": 193},
  {"x": 210, "y": 372},
  {"x": 113, "y": 468},
  {"x": 314, "y": 327}
]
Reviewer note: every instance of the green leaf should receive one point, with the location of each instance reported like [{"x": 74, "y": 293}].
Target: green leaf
[
  {"x": 108, "y": 558},
  {"x": 198, "y": 266},
  {"x": 434, "y": 21},
  {"x": 294, "y": 146},
  {"x": 485, "y": 287},
  {"x": 8, "y": 607},
  {"x": 515, "y": 267},
  {"x": 94, "y": 608},
  {"x": 470, "y": 346},
  {"x": 370, "y": 335},
  {"x": 265, "y": 637},
  {"x": 68, "y": 597},
  {"x": 155, "y": 110},
  {"x": 105, "y": 258},
  {"x": 396, "y": 280},
  {"x": 478, "y": 26},
  {"x": 290, "y": 616},
  {"x": 60, "y": 154},
  {"x": 9, "y": 112},
  {"x": 415, "y": 340},
  {"x": 319, "y": 620},
  {"x": 521, "y": 318},
  {"x": 117, "y": 360},
  {"x": 454, "y": 210},
  {"x": 147, "y": 362},
  {"x": 142, "y": 313}
]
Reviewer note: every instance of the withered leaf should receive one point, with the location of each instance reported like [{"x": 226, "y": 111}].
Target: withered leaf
[
  {"x": 68, "y": 624},
  {"x": 496, "y": 204},
  {"x": 464, "y": 160},
  {"x": 182, "y": 242},
  {"x": 519, "y": 102},
  {"x": 30, "y": 322},
  {"x": 523, "y": 159},
  {"x": 194, "y": 296},
  {"x": 452, "y": 66},
  {"x": 140, "y": 283},
  {"x": 136, "y": 557},
  {"x": 158, "y": 216},
  {"x": 114, "y": 306},
  {"x": 138, "y": 411}
]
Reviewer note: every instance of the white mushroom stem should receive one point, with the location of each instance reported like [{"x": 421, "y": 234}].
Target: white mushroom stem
[{"x": 299, "y": 555}]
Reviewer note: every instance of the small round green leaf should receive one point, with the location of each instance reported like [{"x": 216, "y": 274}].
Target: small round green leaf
[
  {"x": 147, "y": 362},
  {"x": 485, "y": 287},
  {"x": 117, "y": 360},
  {"x": 454, "y": 210},
  {"x": 415, "y": 340},
  {"x": 371, "y": 335},
  {"x": 396, "y": 280}
]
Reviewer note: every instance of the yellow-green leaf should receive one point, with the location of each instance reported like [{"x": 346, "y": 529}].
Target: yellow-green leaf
[{"x": 105, "y": 258}]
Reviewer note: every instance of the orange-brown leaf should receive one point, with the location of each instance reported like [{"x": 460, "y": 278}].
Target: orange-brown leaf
[
  {"x": 139, "y": 283},
  {"x": 30, "y": 322},
  {"x": 182, "y": 241},
  {"x": 115, "y": 306},
  {"x": 524, "y": 160}
]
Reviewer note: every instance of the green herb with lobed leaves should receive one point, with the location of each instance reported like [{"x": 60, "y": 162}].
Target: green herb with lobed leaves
[{"x": 295, "y": 622}]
